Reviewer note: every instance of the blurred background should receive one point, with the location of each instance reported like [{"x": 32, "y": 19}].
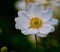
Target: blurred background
[{"x": 12, "y": 40}]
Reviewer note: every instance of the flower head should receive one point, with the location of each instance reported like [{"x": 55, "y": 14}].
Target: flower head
[
  {"x": 36, "y": 21},
  {"x": 55, "y": 3},
  {"x": 21, "y": 5}
]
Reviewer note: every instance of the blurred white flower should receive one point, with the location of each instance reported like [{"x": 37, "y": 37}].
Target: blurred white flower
[
  {"x": 20, "y": 5},
  {"x": 36, "y": 21},
  {"x": 55, "y": 3}
]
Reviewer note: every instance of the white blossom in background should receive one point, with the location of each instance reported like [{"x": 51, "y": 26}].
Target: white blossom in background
[
  {"x": 55, "y": 3},
  {"x": 36, "y": 21},
  {"x": 20, "y": 5}
]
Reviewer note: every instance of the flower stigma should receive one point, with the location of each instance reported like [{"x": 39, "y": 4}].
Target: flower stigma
[{"x": 35, "y": 23}]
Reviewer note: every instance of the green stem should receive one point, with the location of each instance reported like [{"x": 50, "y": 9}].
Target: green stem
[{"x": 36, "y": 43}]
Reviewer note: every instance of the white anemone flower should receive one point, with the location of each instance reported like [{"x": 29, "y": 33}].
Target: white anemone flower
[
  {"x": 55, "y": 3},
  {"x": 20, "y": 5},
  {"x": 36, "y": 21}
]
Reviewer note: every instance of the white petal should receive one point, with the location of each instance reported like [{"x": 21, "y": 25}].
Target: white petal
[
  {"x": 30, "y": 31},
  {"x": 41, "y": 35},
  {"x": 34, "y": 10},
  {"x": 16, "y": 19},
  {"x": 53, "y": 22},
  {"x": 37, "y": 11},
  {"x": 16, "y": 26},
  {"x": 22, "y": 20},
  {"x": 22, "y": 17},
  {"x": 46, "y": 28},
  {"x": 23, "y": 14},
  {"x": 21, "y": 26},
  {"x": 47, "y": 14}
]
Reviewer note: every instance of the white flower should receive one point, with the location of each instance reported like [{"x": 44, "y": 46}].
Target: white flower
[
  {"x": 20, "y": 5},
  {"x": 36, "y": 21},
  {"x": 55, "y": 3}
]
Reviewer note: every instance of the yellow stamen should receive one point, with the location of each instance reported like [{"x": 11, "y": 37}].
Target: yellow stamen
[
  {"x": 35, "y": 22},
  {"x": 28, "y": 1}
]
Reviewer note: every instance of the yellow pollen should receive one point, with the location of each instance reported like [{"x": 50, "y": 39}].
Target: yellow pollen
[
  {"x": 28, "y": 1},
  {"x": 35, "y": 22}
]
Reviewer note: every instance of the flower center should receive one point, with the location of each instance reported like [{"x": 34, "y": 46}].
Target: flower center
[
  {"x": 35, "y": 22},
  {"x": 28, "y": 1}
]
